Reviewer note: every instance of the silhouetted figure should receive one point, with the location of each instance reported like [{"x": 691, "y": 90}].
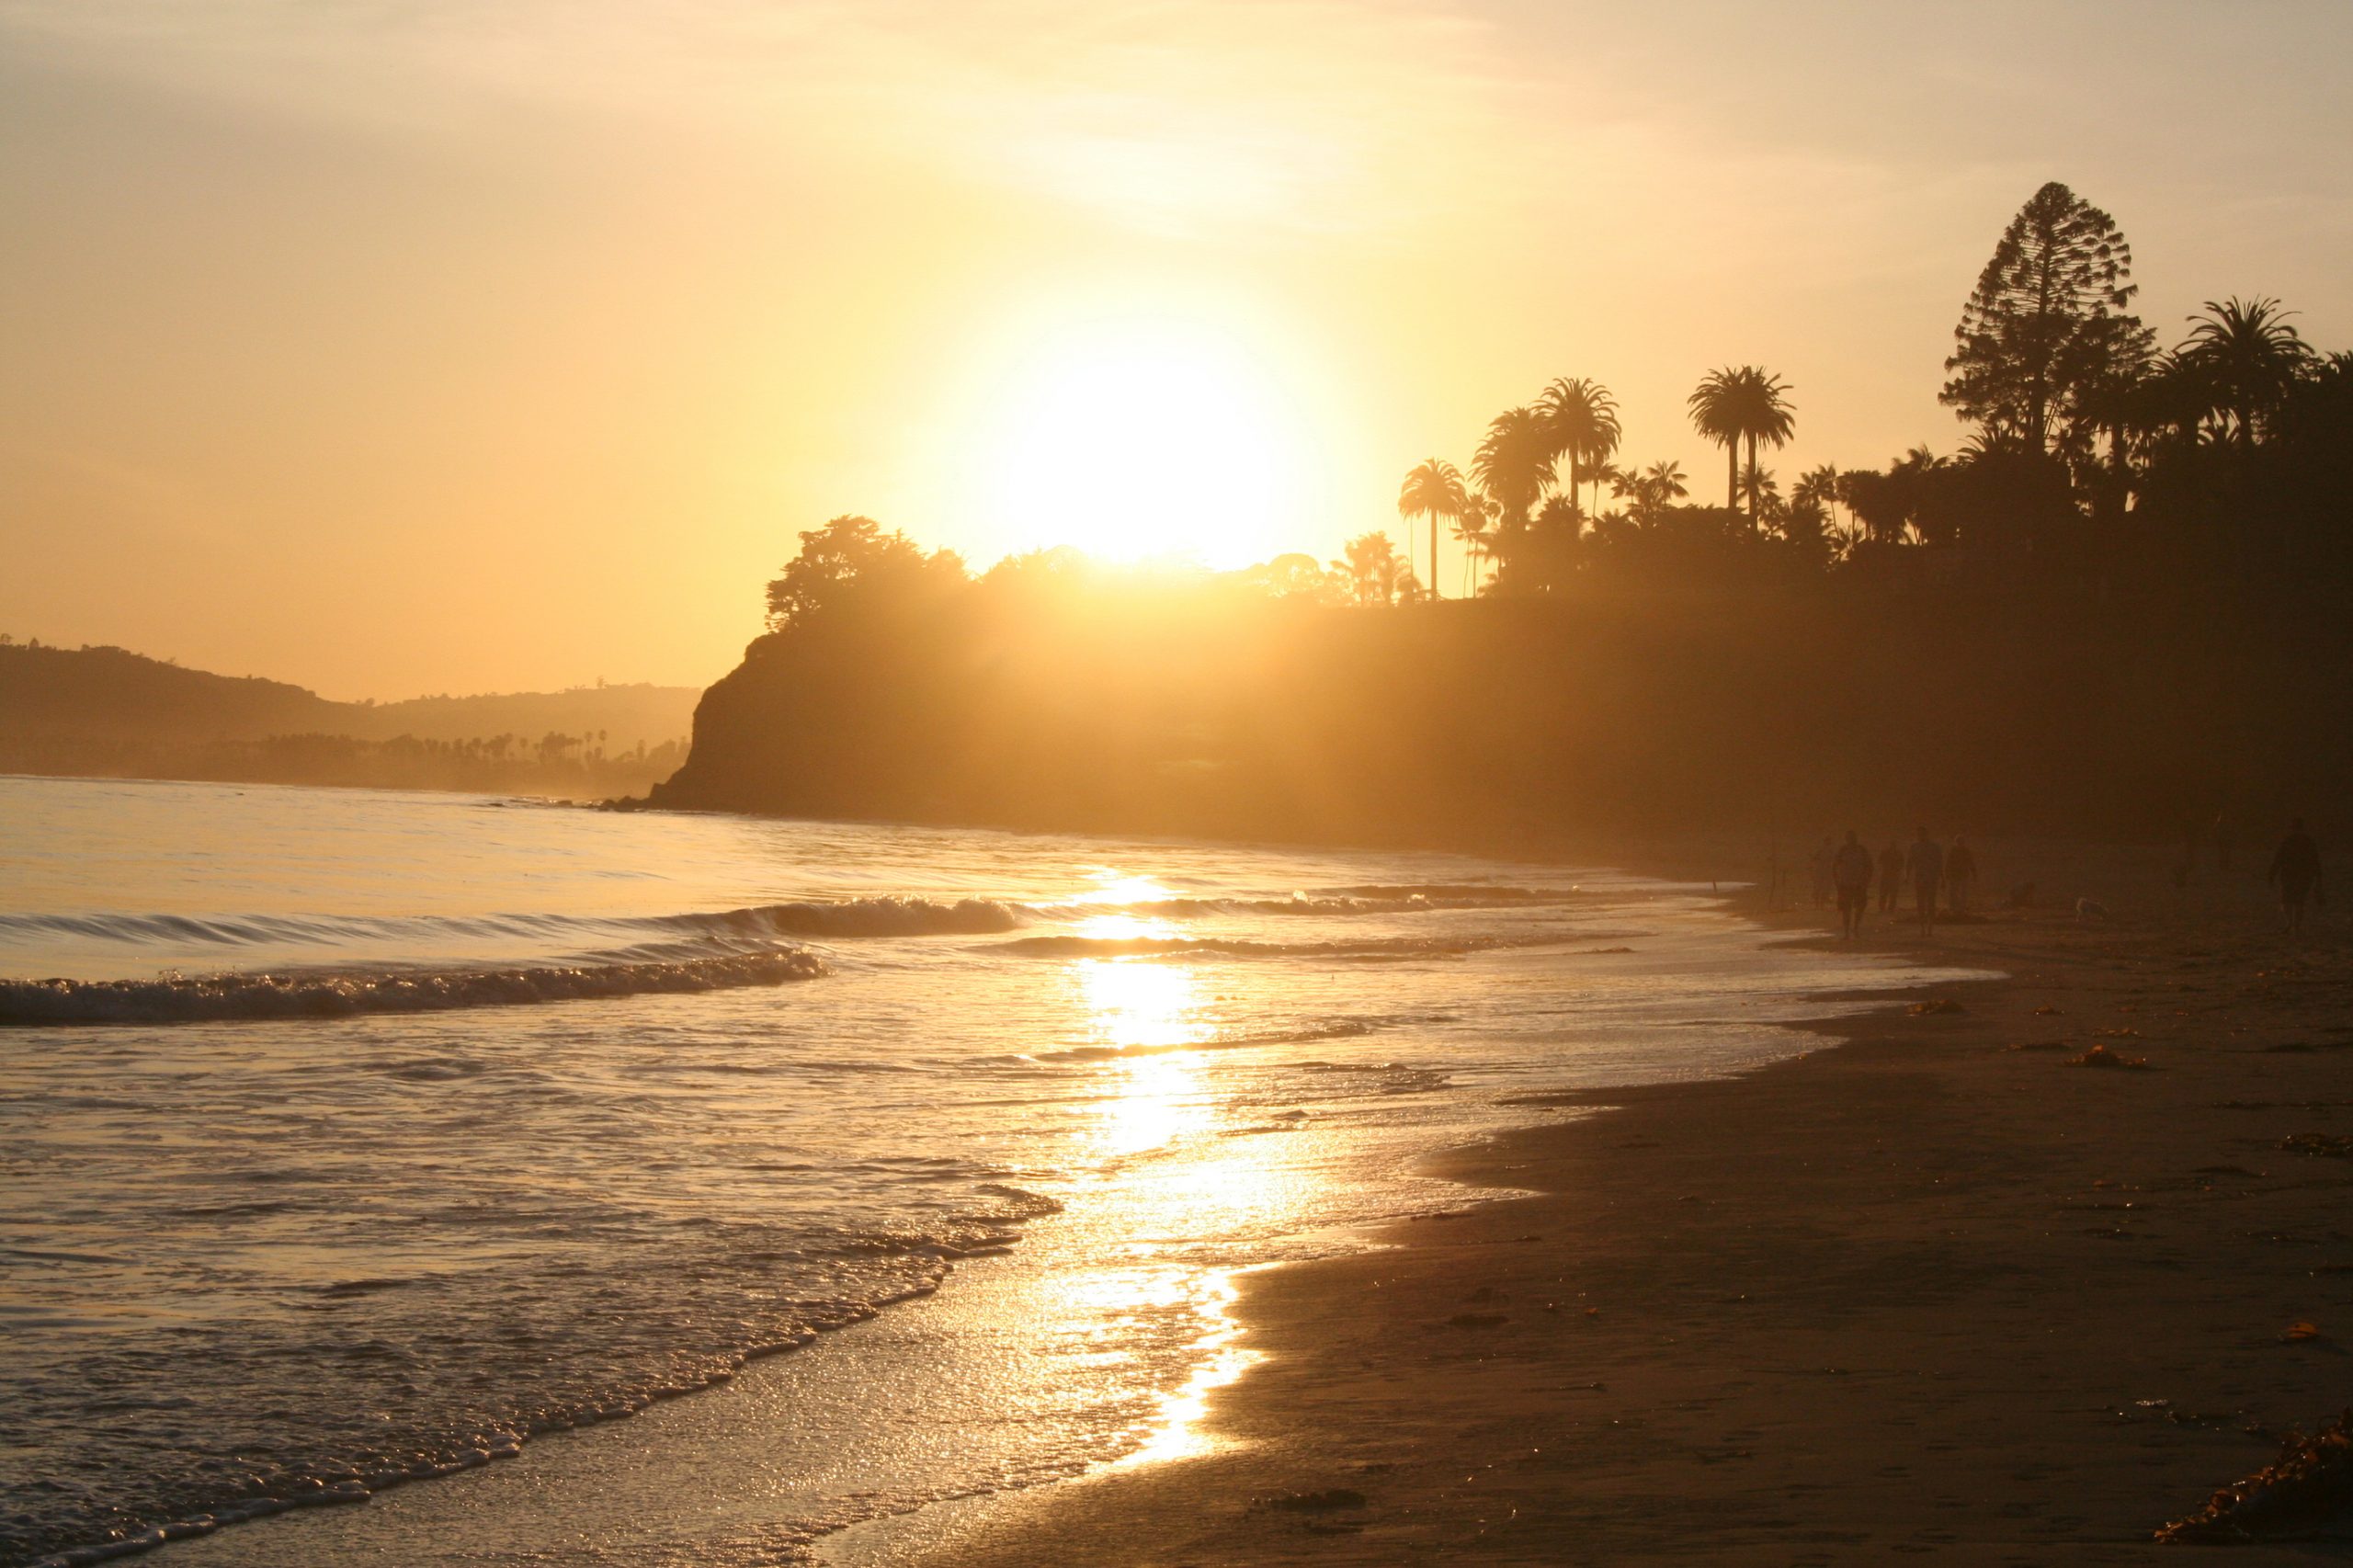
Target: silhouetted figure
[
  {"x": 1927, "y": 864},
  {"x": 2295, "y": 868},
  {"x": 1824, "y": 855},
  {"x": 1961, "y": 876},
  {"x": 1890, "y": 877},
  {"x": 1850, "y": 871}
]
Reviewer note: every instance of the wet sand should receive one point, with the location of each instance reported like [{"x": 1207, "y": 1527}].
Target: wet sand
[{"x": 1931, "y": 1291}]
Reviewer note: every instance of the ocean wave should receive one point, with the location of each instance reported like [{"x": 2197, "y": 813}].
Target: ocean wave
[
  {"x": 1370, "y": 899},
  {"x": 180, "y": 999},
  {"x": 893, "y": 916},
  {"x": 890, "y": 916},
  {"x": 886, "y": 916},
  {"x": 1238, "y": 947}
]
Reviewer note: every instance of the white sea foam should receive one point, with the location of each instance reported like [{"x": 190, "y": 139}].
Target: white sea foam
[{"x": 186, "y": 999}]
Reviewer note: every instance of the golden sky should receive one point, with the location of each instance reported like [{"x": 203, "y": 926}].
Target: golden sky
[{"x": 471, "y": 345}]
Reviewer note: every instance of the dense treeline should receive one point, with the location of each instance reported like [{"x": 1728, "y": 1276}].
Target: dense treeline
[{"x": 2120, "y": 607}]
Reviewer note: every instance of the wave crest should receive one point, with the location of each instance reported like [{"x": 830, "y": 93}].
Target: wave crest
[{"x": 179, "y": 999}]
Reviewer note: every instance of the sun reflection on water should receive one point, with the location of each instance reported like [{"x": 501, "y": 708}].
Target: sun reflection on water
[
  {"x": 1172, "y": 1184},
  {"x": 1178, "y": 1432}
]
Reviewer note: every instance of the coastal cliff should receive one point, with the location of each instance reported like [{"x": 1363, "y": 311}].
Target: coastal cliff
[{"x": 1162, "y": 708}]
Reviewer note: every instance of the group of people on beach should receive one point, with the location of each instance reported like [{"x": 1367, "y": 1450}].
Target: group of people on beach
[{"x": 1843, "y": 874}]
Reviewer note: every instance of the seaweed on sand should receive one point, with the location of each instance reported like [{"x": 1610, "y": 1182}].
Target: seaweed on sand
[
  {"x": 2307, "y": 1485},
  {"x": 2101, "y": 1056}
]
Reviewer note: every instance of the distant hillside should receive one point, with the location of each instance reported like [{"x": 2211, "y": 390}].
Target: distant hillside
[
  {"x": 109, "y": 712},
  {"x": 115, "y": 693}
]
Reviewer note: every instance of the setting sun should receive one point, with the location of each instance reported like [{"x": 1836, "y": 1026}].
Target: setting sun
[{"x": 1134, "y": 434}]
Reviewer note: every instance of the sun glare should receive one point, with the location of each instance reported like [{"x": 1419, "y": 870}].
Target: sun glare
[{"x": 1136, "y": 435}]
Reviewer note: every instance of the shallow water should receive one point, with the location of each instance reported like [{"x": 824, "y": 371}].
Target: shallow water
[{"x": 356, "y": 1136}]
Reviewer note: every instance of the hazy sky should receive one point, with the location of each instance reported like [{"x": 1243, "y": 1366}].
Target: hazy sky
[{"x": 466, "y": 344}]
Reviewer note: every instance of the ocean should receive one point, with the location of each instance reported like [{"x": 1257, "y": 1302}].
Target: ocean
[{"x": 366, "y": 1147}]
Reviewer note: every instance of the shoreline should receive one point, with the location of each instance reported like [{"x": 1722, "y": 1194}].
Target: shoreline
[
  {"x": 1926, "y": 1289},
  {"x": 1009, "y": 1523}
]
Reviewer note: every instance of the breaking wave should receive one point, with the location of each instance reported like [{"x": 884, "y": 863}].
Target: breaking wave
[
  {"x": 1378, "y": 899},
  {"x": 1235, "y": 948},
  {"x": 851, "y": 917},
  {"x": 328, "y": 995}
]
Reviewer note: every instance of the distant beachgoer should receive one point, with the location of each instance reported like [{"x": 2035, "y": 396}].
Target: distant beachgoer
[
  {"x": 1851, "y": 870},
  {"x": 1927, "y": 864},
  {"x": 1961, "y": 876},
  {"x": 1890, "y": 877},
  {"x": 1823, "y": 855},
  {"x": 2295, "y": 866}
]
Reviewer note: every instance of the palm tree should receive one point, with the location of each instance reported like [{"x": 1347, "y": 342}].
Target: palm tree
[
  {"x": 2250, "y": 356},
  {"x": 1605, "y": 472},
  {"x": 1581, "y": 419},
  {"x": 1652, "y": 491},
  {"x": 1561, "y": 518},
  {"x": 1433, "y": 489},
  {"x": 1473, "y": 526},
  {"x": 1481, "y": 527},
  {"x": 1374, "y": 572},
  {"x": 1715, "y": 406},
  {"x": 1513, "y": 463},
  {"x": 1817, "y": 487},
  {"x": 1747, "y": 402}
]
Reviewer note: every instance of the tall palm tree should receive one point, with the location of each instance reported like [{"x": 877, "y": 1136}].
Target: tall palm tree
[
  {"x": 1513, "y": 463},
  {"x": 1715, "y": 407},
  {"x": 1433, "y": 489},
  {"x": 1747, "y": 402},
  {"x": 1473, "y": 527},
  {"x": 1581, "y": 418},
  {"x": 1481, "y": 527},
  {"x": 2250, "y": 356}
]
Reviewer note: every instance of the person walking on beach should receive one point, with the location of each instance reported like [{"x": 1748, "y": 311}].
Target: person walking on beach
[
  {"x": 1890, "y": 877},
  {"x": 2295, "y": 868},
  {"x": 1961, "y": 876},
  {"x": 1851, "y": 870},
  {"x": 1928, "y": 867}
]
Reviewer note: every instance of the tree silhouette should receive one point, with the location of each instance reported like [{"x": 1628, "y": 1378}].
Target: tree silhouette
[
  {"x": 1581, "y": 420},
  {"x": 2046, "y": 318},
  {"x": 1374, "y": 573},
  {"x": 1433, "y": 489},
  {"x": 1475, "y": 526},
  {"x": 1715, "y": 414},
  {"x": 2247, "y": 357},
  {"x": 1649, "y": 493},
  {"x": 846, "y": 557},
  {"x": 1743, "y": 402},
  {"x": 1513, "y": 463}
]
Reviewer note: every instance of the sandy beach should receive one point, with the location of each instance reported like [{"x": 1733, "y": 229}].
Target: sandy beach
[{"x": 1933, "y": 1290}]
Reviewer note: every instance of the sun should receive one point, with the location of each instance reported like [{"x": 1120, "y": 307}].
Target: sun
[{"x": 1137, "y": 434}]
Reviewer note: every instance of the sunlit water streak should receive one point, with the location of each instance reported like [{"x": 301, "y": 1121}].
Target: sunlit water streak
[{"x": 267, "y": 1259}]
